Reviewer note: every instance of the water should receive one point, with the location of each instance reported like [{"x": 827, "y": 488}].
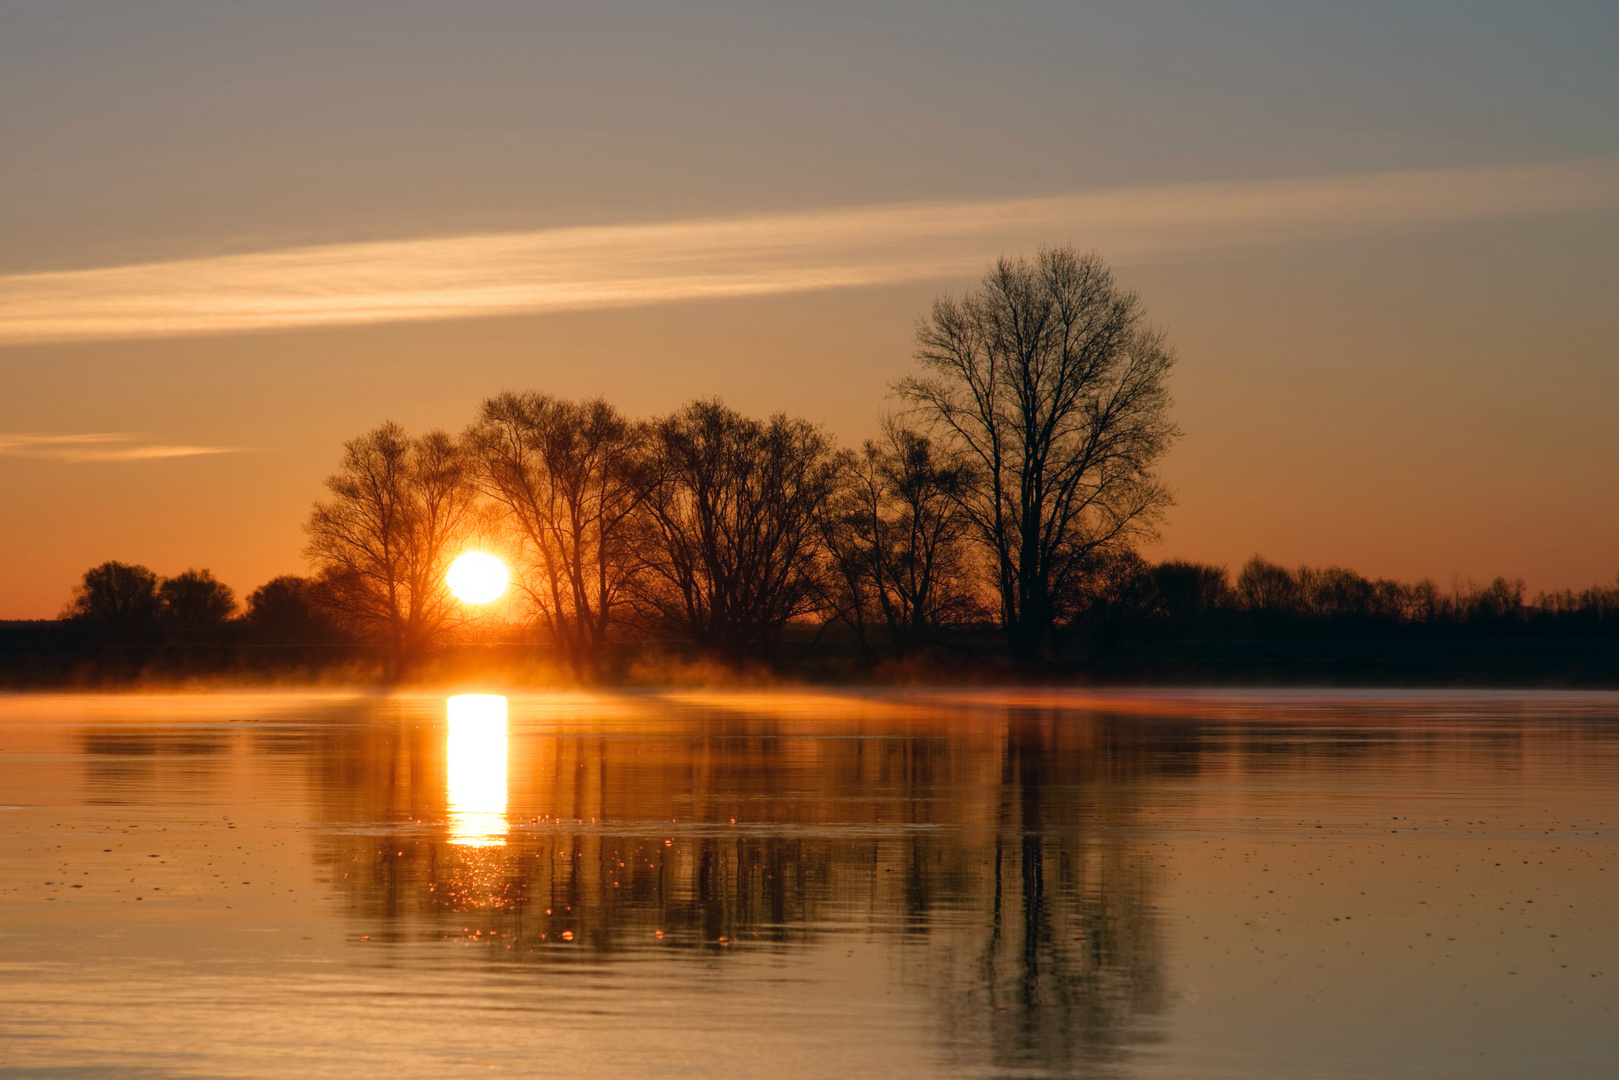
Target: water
[{"x": 1136, "y": 885}]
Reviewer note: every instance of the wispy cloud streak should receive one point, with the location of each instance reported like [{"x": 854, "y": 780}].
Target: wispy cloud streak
[
  {"x": 606, "y": 266},
  {"x": 99, "y": 446}
]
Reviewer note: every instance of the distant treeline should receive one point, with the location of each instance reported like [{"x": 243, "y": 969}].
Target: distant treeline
[
  {"x": 1177, "y": 598},
  {"x": 1138, "y": 619},
  {"x": 125, "y": 622},
  {"x": 992, "y": 525},
  {"x": 1181, "y": 622}
]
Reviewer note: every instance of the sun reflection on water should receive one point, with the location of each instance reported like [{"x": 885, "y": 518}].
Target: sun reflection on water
[{"x": 475, "y": 751}]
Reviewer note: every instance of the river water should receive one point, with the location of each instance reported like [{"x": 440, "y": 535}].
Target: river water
[{"x": 810, "y": 885}]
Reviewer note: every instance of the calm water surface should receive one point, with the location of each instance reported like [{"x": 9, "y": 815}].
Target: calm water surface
[{"x": 1188, "y": 885}]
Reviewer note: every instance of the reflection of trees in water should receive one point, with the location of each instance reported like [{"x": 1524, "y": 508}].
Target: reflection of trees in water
[
  {"x": 1057, "y": 960},
  {"x": 1002, "y": 861}
]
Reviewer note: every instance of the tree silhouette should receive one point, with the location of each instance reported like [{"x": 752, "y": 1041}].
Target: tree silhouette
[
  {"x": 400, "y": 508},
  {"x": 1049, "y": 380},
  {"x": 119, "y": 596},
  {"x": 571, "y": 479},
  {"x": 1264, "y": 586},
  {"x": 895, "y": 532},
  {"x": 286, "y": 611},
  {"x": 196, "y": 602},
  {"x": 734, "y": 506}
]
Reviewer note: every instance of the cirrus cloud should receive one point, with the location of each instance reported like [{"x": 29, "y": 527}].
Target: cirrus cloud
[
  {"x": 571, "y": 269},
  {"x": 99, "y": 446}
]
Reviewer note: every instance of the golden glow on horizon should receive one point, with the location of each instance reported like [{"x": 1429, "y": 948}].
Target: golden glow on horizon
[
  {"x": 475, "y": 756},
  {"x": 477, "y": 577}
]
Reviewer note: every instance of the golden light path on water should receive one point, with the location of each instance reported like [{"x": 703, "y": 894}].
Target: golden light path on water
[{"x": 475, "y": 756}]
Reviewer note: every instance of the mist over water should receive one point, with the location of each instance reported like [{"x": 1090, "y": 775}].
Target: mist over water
[{"x": 810, "y": 885}]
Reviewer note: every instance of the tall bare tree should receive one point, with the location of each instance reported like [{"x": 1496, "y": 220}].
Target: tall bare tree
[
  {"x": 571, "y": 477},
  {"x": 734, "y": 507},
  {"x": 1048, "y": 379},
  {"x": 399, "y": 510},
  {"x": 895, "y": 533}
]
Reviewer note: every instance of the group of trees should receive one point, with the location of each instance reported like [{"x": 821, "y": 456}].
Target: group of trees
[
  {"x": 1007, "y": 494},
  {"x": 128, "y": 604},
  {"x": 131, "y": 600},
  {"x": 1026, "y": 449},
  {"x": 1130, "y": 595}
]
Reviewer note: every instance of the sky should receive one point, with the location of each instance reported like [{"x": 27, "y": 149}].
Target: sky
[{"x": 1383, "y": 239}]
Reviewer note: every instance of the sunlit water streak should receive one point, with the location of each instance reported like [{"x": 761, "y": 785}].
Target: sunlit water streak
[{"x": 475, "y": 753}]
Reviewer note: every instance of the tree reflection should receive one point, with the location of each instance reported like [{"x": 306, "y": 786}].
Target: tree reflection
[
  {"x": 1001, "y": 861},
  {"x": 1059, "y": 961}
]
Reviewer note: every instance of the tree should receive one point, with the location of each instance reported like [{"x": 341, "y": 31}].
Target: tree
[
  {"x": 733, "y": 505},
  {"x": 571, "y": 478},
  {"x": 119, "y": 596},
  {"x": 1049, "y": 381},
  {"x": 196, "y": 602},
  {"x": 895, "y": 533},
  {"x": 286, "y": 611},
  {"x": 1189, "y": 591},
  {"x": 400, "y": 509},
  {"x": 1501, "y": 601},
  {"x": 1268, "y": 587}
]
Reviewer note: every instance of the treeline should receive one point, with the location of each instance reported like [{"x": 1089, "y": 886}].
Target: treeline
[
  {"x": 1137, "y": 619},
  {"x": 1190, "y": 623},
  {"x": 126, "y": 622},
  {"x": 1132, "y": 597},
  {"x": 1026, "y": 448},
  {"x": 996, "y": 517},
  {"x": 704, "y": 533}
]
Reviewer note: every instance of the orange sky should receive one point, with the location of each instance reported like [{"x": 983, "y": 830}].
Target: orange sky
[{"x": 1384, "y": 256}]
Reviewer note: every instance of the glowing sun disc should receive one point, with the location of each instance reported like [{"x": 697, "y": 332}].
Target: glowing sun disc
[{"x": 477, "y": 577}]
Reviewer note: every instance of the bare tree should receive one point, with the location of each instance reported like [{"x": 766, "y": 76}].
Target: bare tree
[
  {"x": 734, "y": 509},
  {"x": 1267, "y": 587},
  {"x": 400, "y": 508},
  {"x": 1047, "y": 378},
  {"x": 571, "y": 478},
  {"x": 895, "y": 534}
]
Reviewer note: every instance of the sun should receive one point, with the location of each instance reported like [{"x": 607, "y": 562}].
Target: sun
[{"x": 477, "y": 577}]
